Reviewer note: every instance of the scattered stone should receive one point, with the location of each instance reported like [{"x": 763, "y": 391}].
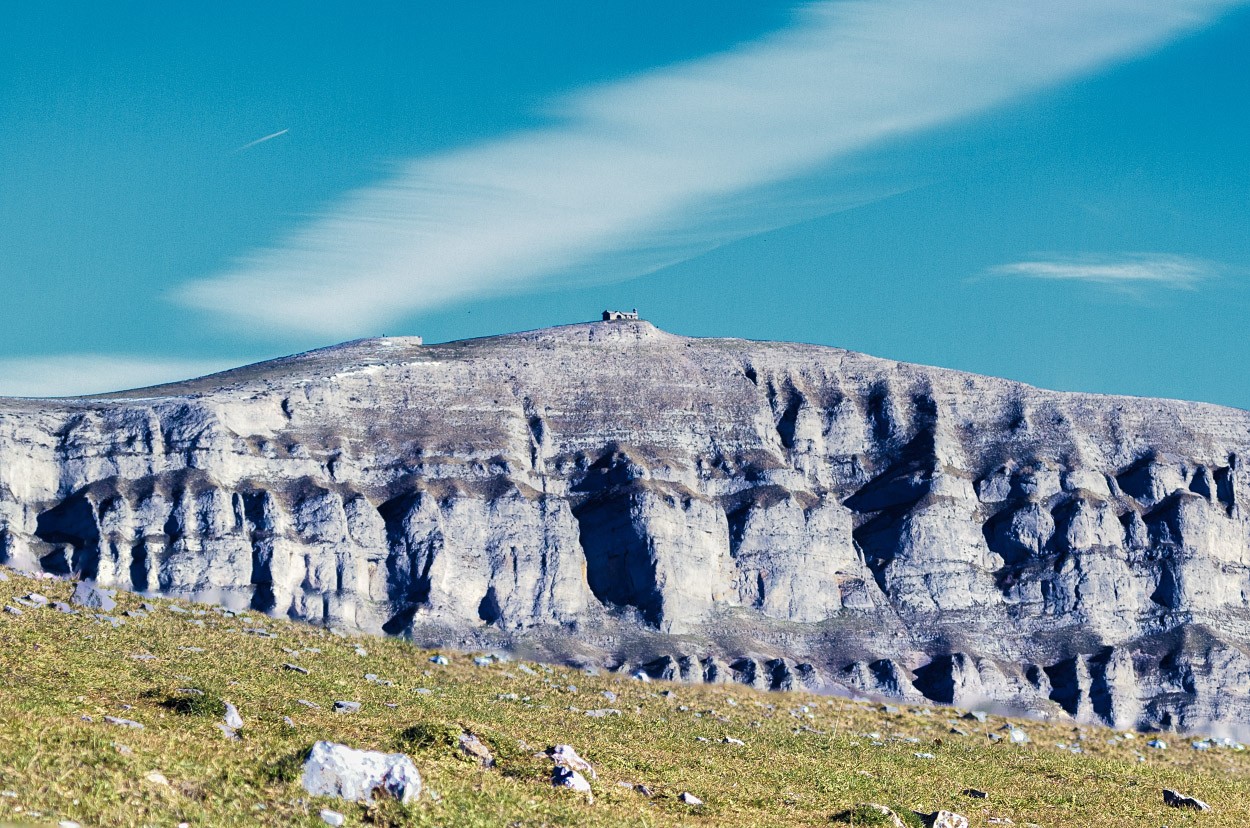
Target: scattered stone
[
  {"x": 362, "y": 652},
  {"x": 975, "y": 794},
  {"x": 87, "y": 594},
  {"x": 603, "y": 712},
  {"x": 440, "y": 660},
  {"x": 68, "y": 823},
  {"x": 609, "y": 695},
  {"x": 565, "y": 755},
  {"x": 346, "y": 706},
  {"x": 295, "y": 668},
  {"x": 143, "y": 657},
  {"x": 61, "y": 606},
  {"x": 332, "y": 817},
  {"x": 12, "y": 610},
  {"x": 526, "y": 669},
  {"x": 687, "y": 798},
  {"x": 177, "y": 609},
  {"x": 729, "y": 740},
  {"x": 288, "y": 721},
  {"x": 1017, "y": 736},
  {"x": 474, "y": 748},
  {"x": 228, "y": 731},
  {"x": 976, "y": 715},
  {"x": 309, "y": 704},
  {"x": 1178, "y": 800},
  {"x": 120, "y": 722},
  {"x": 156, "y": 778},
  {"x": 337, "y": 770},
  {"x": 192, "y": 649},
  {"x": 565, "y": 777},
  {"x": 1157, "y": 744},
  {"x": 483, "y": 661},
  {"x": 923, "y": 755},
  {"x": 944, "y": 819},
  {"x": 37, "y": 599}
]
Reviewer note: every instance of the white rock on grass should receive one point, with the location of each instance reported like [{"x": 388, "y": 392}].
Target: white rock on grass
[
  {"x": 944, "y": 819},
  {"x": 689, "y": 799},
  {"x": 337, "y": 770},
  {"x": 1179, "y": 800},
  {"x": 232, "y": 718},
  {"x": 87, "y": 594},
  {"x": 120, "y": 722},
  {"x": 332, "y": 817},
  {"x": 474, "y": 748},
  {"x": 564, "y": 777},
  {"x": 566, "y": 756}
]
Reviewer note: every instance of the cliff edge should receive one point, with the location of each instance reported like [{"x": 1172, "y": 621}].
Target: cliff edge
[{"x": 696, "y": 509}]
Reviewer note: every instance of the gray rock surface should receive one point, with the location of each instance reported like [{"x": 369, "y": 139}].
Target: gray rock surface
[
  {"x": 563, "y": 777},
  {"x": 700, "y": 510},
  {"x": 356, "y": 775},
  {"x": 1178, "y": 800}
]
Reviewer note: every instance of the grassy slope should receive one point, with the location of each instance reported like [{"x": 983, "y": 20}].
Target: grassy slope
[{"x": 795, "y": 769}]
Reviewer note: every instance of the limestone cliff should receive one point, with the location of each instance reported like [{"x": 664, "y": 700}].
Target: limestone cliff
[{"x": 698, "y": 509}]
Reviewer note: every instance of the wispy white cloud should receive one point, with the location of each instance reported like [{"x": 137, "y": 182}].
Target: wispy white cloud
[
  {"x": 65, "y": 375},
  {"x": 644, "y": 168},
  {"x": 1129, "y": 270}
]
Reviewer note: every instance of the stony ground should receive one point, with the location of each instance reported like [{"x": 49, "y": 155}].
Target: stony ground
[{"x": 753, "y": 759}]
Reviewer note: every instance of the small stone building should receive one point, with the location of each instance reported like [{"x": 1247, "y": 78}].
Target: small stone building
[{"x": 619, "y": 316}]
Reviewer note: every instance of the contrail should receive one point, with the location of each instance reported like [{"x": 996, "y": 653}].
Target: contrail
[{"x": 263, "y": 140}]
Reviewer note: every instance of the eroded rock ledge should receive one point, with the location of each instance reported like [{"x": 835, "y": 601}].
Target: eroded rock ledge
[{"x": 701, "y": 510}]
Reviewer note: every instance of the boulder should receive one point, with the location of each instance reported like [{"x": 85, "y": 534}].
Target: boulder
[
  {"x": 87, "y": 594},
  {"x": 356, "y": 775},
  {"x": 1178, "y": 800}
]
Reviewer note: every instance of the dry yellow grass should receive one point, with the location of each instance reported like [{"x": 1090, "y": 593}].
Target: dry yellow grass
[{"x": 806, "y": 759}]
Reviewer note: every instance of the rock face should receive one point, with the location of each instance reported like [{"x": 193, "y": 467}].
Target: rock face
[{"x": 698, "y": 510}]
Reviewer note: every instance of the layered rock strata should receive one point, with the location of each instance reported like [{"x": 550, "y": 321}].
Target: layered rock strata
[{"x": 695, "y": 509}]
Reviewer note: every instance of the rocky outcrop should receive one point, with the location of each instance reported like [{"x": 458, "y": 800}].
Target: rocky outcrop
[{"x": 696, "y": 510}]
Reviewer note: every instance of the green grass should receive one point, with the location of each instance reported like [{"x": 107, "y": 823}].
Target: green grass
[{"x": 806, "y": 760}]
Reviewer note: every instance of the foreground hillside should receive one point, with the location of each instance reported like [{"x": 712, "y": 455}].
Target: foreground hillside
[{"x": 804, "y": 759}]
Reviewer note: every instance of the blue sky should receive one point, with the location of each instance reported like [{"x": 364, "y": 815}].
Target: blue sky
[{"x": 1058, "y": 194}]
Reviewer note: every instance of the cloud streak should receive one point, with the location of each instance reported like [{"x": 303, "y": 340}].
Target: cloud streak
[
  {"x": 1131, "y": 270},
  {"x": 268, "y": 137},
  {"x": 65, "y": 375},
  {"x": 655, "y": 167}
]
